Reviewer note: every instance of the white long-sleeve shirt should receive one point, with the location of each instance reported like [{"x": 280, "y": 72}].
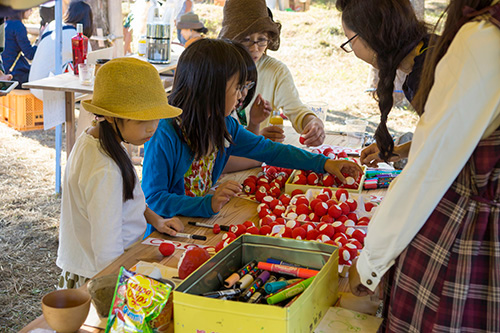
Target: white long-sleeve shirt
[
  {"x": 96, "y": 225},
  {"x": 275, "y": 84},
  {"x": 462, "y": 108}
]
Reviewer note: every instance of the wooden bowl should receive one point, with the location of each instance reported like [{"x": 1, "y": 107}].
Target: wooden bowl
[{"x": 66, "y": 310}]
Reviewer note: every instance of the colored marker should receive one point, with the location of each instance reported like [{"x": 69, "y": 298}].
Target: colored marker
[
  {"x": 378, "y": 173},
  {"x": 275, "y": 286},
  {"x": 280, "y": 262},
  {"x": 257, "y": 296},
  {"x": 192, "y": 236},
  {"x": 259, "y": 282},
  {"x": 247, "y": 280},
  {"x": 206, "y": 225},
  {"x": 220, "y": 293},
  {"x": 290, "y": 292},
  {"x": 292, "y": 301},
  {"x": 288, "y": 270},
  {"x": 233, "y": 278}
]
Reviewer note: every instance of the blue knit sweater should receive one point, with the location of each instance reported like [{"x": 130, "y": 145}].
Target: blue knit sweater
[{"x": 167, "y": 158}]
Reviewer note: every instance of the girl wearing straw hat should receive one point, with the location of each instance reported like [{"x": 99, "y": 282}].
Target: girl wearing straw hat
[
  {"x": 249, "y": 22},
  {"x": 191, "y": 28},
  {"x": 103, "y": 209},
  {"x": 186, "y": 156}
]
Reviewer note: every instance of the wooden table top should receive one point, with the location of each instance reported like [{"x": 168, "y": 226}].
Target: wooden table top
[{"x": 236, "y": 211}]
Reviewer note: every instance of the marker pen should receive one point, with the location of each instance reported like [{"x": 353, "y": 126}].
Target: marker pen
[
  {"x": 247, "y": 280},
  {"x": 206, "y": 225},
  {"x": 280, "y": 262},
  {"x": 275, "y": 286},
  {"x": 290, "y": 292},
  {"x": 233, "y": 278},
  {"x": 288, "y": 270},
  {"x": 219, "y": 293},
  {"x": 257, "y": 296},
  {"x": 259, "y": 282},
  {"x": 192, "y": 236}
]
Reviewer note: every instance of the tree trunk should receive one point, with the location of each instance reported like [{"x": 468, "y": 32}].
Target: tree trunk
[{"x": 100, "y": 16}]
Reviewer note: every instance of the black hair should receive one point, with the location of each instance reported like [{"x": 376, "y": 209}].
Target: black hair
[
  {"x": 80, "y": 12},
  {"x": 201, "y": 30},
  {"x": 114, "y": 149},
  {"x": 18, "y": 15},
  {"x": 391, "y": 29},
  {"x": 199, "y": 89},
  {"x": 251, "y": 72},
  {"x": 454, "y": 21}
]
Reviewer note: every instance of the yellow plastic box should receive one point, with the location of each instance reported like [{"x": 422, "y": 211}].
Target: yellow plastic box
[
  {"x": 290, "y": 187},
  {"x": 193, "y": 313}
]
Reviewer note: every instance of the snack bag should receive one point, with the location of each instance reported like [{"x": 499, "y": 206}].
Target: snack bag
[{"x": 137, "y": 304}]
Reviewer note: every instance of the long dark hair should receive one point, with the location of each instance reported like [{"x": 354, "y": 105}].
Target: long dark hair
[
  {"x": 251, "y": 72},
  {"x": 80, "y": 12},
  {"x": 199, "y": 89},
  {"x": 391, "y": 29},
  {"x": 111, "y": 146},
  {"x": 454, "y": 20}
]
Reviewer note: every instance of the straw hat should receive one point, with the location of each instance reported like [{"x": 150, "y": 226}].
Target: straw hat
[
  {"x": 245, "y": 17},
  {"x": 190, "y": 21},
  {"x": 131, "y": 89}
]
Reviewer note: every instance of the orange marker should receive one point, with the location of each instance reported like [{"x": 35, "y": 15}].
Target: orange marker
[{"x": 303, "y": 273}]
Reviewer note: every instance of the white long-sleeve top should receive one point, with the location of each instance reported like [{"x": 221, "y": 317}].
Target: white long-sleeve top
[
  {"x": 462, "y": 108},
  {"x": 275, "y": 84},
  {"x": 96, "y": 225}
]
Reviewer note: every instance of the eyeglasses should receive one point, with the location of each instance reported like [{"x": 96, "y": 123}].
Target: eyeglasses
[
  {"x": 347, "y": 47},
  {"x": 247, "y": 86},
  {"x": 262, "y": 42}
]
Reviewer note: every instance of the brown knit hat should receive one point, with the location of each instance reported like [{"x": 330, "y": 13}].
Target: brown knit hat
[{"x": 245, "y": 17}]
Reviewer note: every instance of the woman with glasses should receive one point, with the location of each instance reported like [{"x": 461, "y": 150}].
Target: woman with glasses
[
  {"x": 401, "y": 43},
  {"x": 435, "y": 239},
  {"x": 249, "y": 22}
]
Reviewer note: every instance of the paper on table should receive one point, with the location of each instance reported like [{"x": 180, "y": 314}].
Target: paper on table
[
  {"x": 54, "y": 112},
  {"x": 340, "y": 320}
]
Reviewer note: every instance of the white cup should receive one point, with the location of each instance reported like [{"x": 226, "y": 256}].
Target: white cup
[
  {"x": 319, "y": 108},
  {"x": 86, "y": 74}
]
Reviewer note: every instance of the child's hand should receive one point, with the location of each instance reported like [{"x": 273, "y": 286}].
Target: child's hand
[
  {"x": 337, "y": 167},
  {"x": 224, "y": 193},
  {"x": 273, "y": 133},
  {"x": 357, "y": 288},
  {"x": 260, "y": 110},
  {"x": 314, "y": 131},
  {"x": 169, "y": 226}
]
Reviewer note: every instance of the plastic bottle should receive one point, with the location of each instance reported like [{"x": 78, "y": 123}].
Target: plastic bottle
[
  {"x": 79, "y": 44},
  {"x": 276, "y": 119},
  {"x": 142, "y": 47}
]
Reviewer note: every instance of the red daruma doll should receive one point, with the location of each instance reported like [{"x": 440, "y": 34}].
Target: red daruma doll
[{"x": 79, "y": 44}]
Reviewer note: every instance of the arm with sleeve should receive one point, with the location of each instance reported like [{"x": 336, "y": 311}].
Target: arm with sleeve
[
  {"x": 463, "y": 107},
  {"x": 276, "y": 85},
  {"x": 23, "y": 41},
  {"x": 166, "y": 160}
]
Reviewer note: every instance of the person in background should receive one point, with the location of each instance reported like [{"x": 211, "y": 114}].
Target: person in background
[
  {"x": 377, "y": 46},
  {"x": 191, "y": 28},
  {"x": 103, "y": 209},
  {"x": 435, "y": 238},
  {"x": 185, "y": 157},
  {"x": 43, "y": 64},
  {"x": 182, "y": 7},
  {"x": 249, "y": 22},
  {"x": 18, "y": 48},
  {"x": 3, "y": 76}
]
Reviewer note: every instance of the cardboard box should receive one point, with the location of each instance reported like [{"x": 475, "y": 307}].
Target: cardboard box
[
  {"x": 300, "y": 5},
  {"x": 193, "y": 313},
  {"x": 290, "y": 187}
]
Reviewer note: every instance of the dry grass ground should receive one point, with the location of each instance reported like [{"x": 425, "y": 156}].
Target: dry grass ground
[{"x": 29, "y": 210}]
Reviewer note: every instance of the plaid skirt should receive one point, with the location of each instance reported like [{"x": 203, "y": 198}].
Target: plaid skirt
[{"x": 448, "y": 278}]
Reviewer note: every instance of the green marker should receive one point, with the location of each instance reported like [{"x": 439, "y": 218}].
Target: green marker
[{"x": 290, "y": 292}]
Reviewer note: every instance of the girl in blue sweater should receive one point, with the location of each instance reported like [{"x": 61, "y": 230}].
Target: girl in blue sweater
[{"x": 187, "y": 154}]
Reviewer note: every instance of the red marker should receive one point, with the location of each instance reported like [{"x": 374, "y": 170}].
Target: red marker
[{"x": 303, "y": 273}]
